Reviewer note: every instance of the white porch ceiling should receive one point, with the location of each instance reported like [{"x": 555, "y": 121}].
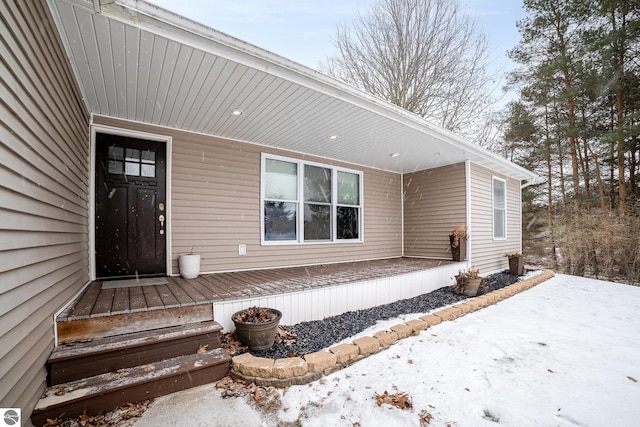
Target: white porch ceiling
[{"x": 136, "y": 61}]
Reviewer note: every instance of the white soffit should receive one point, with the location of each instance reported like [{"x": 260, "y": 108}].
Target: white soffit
[{"x": 136, "y": 61}]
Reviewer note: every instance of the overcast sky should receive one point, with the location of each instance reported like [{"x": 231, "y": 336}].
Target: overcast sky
[{"x": 304, "y": 30}]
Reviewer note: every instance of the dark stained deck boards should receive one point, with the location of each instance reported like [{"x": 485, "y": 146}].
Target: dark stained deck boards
[
  {"x": 88, "y": 300},
  {"x": 223, "y": 282},
  {"x": 217, "y": 292},
  {"x": 167, "y": 297},
  {"x": 181, "y": 294},
  {"x": 104, "y": 303},
  {"x": 137, "y": 301},
  {"x": 121, "y": 301},
  {"x": 152, "y": 297},
  {"x": 209, "y": 288},
  {"x": 201, "y": 286}
]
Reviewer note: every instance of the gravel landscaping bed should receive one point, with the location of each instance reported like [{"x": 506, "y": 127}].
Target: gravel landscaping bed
[{"x": 320, "y": 334}]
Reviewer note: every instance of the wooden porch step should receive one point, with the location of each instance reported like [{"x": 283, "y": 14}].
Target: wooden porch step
[
  {"x": 86, "y": 359},
  {"x": 89, "y": 328},
  {"x": 107, "y": 391}
]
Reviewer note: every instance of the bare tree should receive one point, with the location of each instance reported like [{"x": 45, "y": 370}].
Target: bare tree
[{"x": 425, "y": 56}]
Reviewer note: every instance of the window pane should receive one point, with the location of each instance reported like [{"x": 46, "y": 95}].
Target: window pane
[
  {"x": 148, "y": 170},
  {"x": 133, "y": 155},
  {"x": 498, "y": 194},
  {"x": 281, "y": 180},
  {"x": 347, "y": 222},
  {"x": 132, "y": 169},
  {"x": 115, "y": 167},
  {"x": 317, "y": 222},
  {"x": 348, "y": 188},
  {"x": 116, "y": 153},
  {"x": 280, "y": 221},
  {"x": 498, "y": 224},
  {"x": 317, "y": 184},
  {"x": 148, "y": 157}
]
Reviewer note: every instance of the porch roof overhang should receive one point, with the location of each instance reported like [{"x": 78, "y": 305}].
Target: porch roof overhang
[{"x": 136, "y": 61}]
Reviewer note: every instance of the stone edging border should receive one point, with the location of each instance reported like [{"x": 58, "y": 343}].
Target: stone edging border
[{"x": 311, "y": 367}]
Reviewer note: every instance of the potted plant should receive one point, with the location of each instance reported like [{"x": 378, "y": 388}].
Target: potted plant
[
  {"x": 516, "y": 263},
  {"x": 256, "y": 327},
  {"x": 189, "y": 265},
  {"x": 458, "y": 241},
  {"x": 468, "y": 282}
]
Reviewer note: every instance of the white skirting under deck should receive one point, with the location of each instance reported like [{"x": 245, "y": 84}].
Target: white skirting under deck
[{"x": 318, "y": 303}]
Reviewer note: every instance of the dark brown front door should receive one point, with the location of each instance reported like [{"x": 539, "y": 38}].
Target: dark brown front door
[{"x": 130, "y": 207}]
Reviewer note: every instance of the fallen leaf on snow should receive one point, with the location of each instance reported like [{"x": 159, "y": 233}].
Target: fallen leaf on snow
[
  {"x": 399, "y": 400},
  {"x": 425, "y": 418},
  {"x": 202, "y": 348}
]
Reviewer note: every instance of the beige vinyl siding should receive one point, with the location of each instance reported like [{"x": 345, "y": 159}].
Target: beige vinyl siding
[
  {"x": 488, "y": 254},
  {"x": 44, "y": 134},
  {"x": 215, "y": 206},
  {"x": 434, "y": 203}
]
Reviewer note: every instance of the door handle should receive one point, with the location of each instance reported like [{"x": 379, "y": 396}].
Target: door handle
[{"x": 161, "y": 219}]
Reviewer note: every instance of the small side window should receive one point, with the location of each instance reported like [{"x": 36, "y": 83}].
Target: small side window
[{"x": 499, "y": 208}]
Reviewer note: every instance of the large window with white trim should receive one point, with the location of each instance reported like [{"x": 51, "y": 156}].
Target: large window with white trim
[
  {"x": 305, "y": 202},
  {"x": 499, "y": 208}
]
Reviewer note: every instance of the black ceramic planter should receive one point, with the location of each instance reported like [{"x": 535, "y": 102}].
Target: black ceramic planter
[{"x": 258, "y": 336}]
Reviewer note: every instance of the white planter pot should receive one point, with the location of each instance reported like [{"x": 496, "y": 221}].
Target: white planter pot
[{"x": 189, "y": 265}]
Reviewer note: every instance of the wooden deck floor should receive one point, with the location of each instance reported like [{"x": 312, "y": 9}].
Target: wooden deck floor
[{"x": 206, "y": 289}]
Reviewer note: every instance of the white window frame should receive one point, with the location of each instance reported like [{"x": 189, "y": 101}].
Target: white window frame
[
  {"x": 495, "y": 179},
  {"x": 300, "y": 203}
]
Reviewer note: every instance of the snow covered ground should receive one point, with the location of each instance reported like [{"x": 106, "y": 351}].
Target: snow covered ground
[{"x": 566, "y": 352}]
